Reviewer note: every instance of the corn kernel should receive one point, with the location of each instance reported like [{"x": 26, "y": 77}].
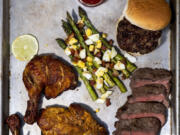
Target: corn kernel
[
  {"x": 98, "y": 44},
  {"x": 91, "y": 48},
  {"x": 104, "y": 35},
  {"x": 89, "y": 59},
  {"x": 88, "y": 32},
  {"x": 90, "y": 63},
  {"x": 97, "y": 110},
  {"x": 72, "y": 41},
  {"x": 81, "y": 64}
]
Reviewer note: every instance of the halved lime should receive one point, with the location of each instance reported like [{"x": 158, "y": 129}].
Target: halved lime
[{"x": 25, "y": 47}]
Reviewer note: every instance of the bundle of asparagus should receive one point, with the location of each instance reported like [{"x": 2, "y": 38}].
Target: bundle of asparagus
[{"x": 95, "y": 59}]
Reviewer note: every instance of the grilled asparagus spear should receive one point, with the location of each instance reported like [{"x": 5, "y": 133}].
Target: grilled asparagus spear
[
  {"x": 130, "y": 66},
  {"x": 82, "y": 43},
  {"x": 90, "y": 89},
  {"x": 68, "y": 30}
]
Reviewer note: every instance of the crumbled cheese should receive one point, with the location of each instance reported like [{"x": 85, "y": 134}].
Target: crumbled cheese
[
  {"x": 87, "y": 75},
  {"x": 98, "y": 44},
  {"x": 89, "y": 42},
  {"x": 85, "y": 69},
  {"x": 97, "y": 60},
  {"x": 81, "y": 64},
  {"x": 88, "y": 32},
  {"x": 107, "y": 94},
  {"x": 130, "y": 57},
  {"x": 107, "y": 56},
  {"x": 100, "y": 72},
  {"x": 94, "y": 37},
  {"x": 82, "y": 54},
  {"x": 103, "y": 98},
  {"x": 119, "y": 66},
  {"x": 91, "y": 48},
  {"x": 67, "y": 51},
  {"x": 113, "y": 52},
  {"x": 96, "y": 51},
  {"x": 99, "y": 82},
  {"x": 100, "y": 101},
  {"x": 73, "y": 47}
]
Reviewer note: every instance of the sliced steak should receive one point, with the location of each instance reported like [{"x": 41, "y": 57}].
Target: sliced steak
[
  {"x": 145, "y": 76},
  {"x": 149, "y": 93},
  {"x": 142, "y": 126},
  {"x": 140, "y": 110}
]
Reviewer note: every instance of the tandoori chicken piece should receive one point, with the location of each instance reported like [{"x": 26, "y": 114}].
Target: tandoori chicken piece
[
  {"x": 74, "y": 120},
  {"x": 48, "y": 74},
  {"x": 13, "y": 122}
]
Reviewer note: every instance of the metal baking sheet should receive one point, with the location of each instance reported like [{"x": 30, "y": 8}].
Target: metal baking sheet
[{"x": 42, "y": 18}]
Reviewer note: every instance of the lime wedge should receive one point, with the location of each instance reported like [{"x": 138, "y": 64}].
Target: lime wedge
[{"x": 25, "y": 47}]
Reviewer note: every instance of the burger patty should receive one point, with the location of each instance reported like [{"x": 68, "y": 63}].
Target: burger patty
[{"x": 134, "y": 39}]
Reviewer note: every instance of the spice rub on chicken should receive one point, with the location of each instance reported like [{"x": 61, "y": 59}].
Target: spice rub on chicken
[
  {"x": 74, "y": 120},
  {"x": 48, "y": 74}
]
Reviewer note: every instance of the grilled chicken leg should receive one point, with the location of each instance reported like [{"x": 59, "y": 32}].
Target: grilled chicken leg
[{"x": 48, "y": 74}]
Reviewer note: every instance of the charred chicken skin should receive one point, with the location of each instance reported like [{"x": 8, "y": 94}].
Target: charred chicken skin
[
  {"x": 48, "y": 74},
  {"x": 13, "y": 122},
  {"x": 69, "y": 121}
]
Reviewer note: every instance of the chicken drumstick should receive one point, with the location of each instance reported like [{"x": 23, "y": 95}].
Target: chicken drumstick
[{"x": 13, "y": 122}]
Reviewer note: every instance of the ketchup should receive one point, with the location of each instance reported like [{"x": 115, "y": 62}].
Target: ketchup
[{"x": 91, "y": 1}]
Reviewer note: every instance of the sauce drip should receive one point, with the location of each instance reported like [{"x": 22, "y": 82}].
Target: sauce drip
[{"x": 91, "y": 1}]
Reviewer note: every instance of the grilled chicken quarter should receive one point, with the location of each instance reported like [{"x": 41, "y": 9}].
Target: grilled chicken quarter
[
  {"x": 74, "y": 120},
  {"x": 48, "y": 74}
]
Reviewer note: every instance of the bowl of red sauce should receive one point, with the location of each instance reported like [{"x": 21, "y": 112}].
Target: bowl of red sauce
[{"x": 91, "y": 3}]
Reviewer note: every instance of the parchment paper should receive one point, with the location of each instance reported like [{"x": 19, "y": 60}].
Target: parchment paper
[{"x": 42, "y": 18}]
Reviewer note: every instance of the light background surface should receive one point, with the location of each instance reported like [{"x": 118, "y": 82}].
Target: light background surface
[{"x": 43, "y": 19}]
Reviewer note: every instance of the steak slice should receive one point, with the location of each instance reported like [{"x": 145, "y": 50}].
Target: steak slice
[
  {"x": 142, "y": 126},
  {"x": 149, "y": 93},
  {"x": 145, "y": 76},
  {"x": 140, "y": 110}
]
